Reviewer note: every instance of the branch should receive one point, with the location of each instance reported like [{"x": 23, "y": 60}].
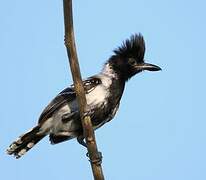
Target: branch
[{"x": 89, "y": 136}]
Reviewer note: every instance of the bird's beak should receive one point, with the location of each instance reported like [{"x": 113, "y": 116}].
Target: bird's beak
[{"x": 148, "y": 67}]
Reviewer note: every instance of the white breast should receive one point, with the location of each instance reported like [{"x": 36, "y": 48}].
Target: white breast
[{"x": 99, "y": 95}]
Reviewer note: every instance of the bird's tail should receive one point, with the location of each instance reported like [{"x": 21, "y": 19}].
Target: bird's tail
[{"x": 25, "y": 142}]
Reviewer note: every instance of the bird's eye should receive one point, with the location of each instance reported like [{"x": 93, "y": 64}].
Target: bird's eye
[{"x": 132, "y": 61}]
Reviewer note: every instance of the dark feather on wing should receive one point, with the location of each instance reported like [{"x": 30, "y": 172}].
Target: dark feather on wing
[{"x": 63, "y": 97}]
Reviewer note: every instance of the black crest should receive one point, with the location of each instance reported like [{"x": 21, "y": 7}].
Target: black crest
[{"x": 133, "y": 47}]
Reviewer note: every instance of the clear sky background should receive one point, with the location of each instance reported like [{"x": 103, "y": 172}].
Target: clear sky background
[{"x": 159, "y": 131}]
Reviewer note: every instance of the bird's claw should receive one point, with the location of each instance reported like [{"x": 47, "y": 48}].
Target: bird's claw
[{"x": 97, "y": 158}]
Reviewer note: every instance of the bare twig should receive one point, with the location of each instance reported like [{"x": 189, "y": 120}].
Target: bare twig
[{"x": 95, "y": 160}]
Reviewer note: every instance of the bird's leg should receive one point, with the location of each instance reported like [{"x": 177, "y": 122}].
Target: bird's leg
[{"x": 98, "y": 156}]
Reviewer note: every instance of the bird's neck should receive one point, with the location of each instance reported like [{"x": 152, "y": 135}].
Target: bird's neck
[
  {"x": 117, "y": 84},
  {"x": 108, "y": 71}
]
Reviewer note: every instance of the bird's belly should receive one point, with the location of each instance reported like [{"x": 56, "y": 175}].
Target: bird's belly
[{"x": 101, "y": 113}]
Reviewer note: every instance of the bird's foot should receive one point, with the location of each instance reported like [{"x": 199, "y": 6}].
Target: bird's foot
[{"x": 96, "y": 158}]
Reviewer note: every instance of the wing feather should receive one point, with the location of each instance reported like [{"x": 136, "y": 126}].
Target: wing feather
[{"x": 67, "y": 95}]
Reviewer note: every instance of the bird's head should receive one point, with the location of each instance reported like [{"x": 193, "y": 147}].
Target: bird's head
[{"x": 128, "y": 59}]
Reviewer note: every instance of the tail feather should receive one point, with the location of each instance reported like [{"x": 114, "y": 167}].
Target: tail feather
[{"x": 25, "y": 142}]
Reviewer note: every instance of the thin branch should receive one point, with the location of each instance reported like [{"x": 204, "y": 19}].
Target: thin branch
[{"x": 95, "y": 160}]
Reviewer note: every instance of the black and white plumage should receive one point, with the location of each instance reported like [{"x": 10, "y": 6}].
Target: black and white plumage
[{"x": 61, "y": 120}]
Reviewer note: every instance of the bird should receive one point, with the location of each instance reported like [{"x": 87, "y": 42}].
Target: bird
[{"x": 61, "y": 117}]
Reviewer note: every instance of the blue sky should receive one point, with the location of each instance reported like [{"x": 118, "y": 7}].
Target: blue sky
[{"x": 159, "y": 131}]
